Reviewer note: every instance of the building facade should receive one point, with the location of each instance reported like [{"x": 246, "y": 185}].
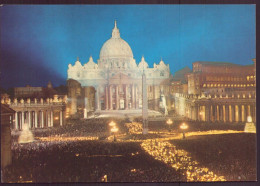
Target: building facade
[
  {"x": 219, "y": 92},
  {"x": 116, "y": 79}
]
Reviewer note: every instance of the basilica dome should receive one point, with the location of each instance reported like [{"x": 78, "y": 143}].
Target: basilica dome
[{"x": 115, "y": 47}]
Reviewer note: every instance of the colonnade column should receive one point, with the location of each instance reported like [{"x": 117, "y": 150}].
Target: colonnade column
[
  {"x": 227, "y": 113},
  {"x": 42, "y": 120},
  {"x": 207, "y": 113},
  {"x": 239, "y": 113},
  {"x": 196, "y": 112},
  {"x": 36, "y": 119},
  {"x": 22, "y": 120},
  {"x": 221, "y": 113},
  {"x": 16, "y": 120},
  {"x": 29, "y": 119},
  {"x": 243, "y": 113},
  {"x": 224, "y": 113},
  {"x": 233, "y": 113},
  {"x": 61, "y": 118},
  {"x": 51, "y": 118}
]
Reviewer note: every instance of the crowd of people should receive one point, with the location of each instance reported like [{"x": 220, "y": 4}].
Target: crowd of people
[
  {"x": 90, "y": 161},
  {"x": 86, "y": 161}
]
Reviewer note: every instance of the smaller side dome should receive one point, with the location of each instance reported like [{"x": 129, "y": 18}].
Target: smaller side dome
[{"x": 143, "y": 64}]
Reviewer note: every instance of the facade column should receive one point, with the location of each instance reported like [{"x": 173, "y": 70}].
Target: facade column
[
  {"x": 126, "y": 97},
  {"x": 51, "y": 118},
  {"x": 61, "y": 118},
  {"x": 106, "y": 92},
  {"x": 22, "y": 120},
  {"x": 133, "y": 97},
  {"x": 117, "y": 98},
  {"x": 35, "y": 119},
  {"x": 97, "y": 99},
  {"x": 110, "y": 97},
  {"x": 16, "y": 120},
  {"x": 196, "y": 112}
]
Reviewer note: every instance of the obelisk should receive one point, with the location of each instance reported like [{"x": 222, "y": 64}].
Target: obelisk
[{"x": 145, "y": 104}]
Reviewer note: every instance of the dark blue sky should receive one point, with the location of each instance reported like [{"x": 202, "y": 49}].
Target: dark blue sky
[{"x": 38, "y": 42}]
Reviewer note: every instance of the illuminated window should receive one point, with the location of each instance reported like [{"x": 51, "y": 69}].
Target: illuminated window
[
  {"x": 215, "y": 85},
  {"x": 252, "y": 85},
  {"x": 235, "y": 85},
  {"x": 228, "y": 85},
  {"x": 211, "y": 85},
  {"x": 232, "y": 85},
  {"x": 247, "y": 77},
  {"x": 248, "y": 85},
  {"x": 218, "y": 85},
  {"x": 204, "y": 85},
  {"x": 225, "y": 85}
]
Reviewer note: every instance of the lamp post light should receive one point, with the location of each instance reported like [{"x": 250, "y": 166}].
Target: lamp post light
[
  {"x": 112, "y": 124},
  {"x": 183, "y": 126},
  {"x": 114, "y": 130},
  {"x": 169, "y": 123}
]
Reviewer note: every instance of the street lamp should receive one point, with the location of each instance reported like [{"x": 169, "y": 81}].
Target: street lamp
[
  {"x": 183, "y": 126},
  {"x": 112, "y": 124},
  {"x": 169, "y": 123},
  {"x": 114, "y": 130}
]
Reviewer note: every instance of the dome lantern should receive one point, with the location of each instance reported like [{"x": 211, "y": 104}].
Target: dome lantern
[{"x": 115, "y": 32}]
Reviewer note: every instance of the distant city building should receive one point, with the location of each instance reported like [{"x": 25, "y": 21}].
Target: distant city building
[
  {"x": 35, "y": 92},
  {"x": 218, "y": 76},
  {"x": 28, "y": 91},
  {"x": 116, "y": 78},
  {"x": 219, "y": 92}
]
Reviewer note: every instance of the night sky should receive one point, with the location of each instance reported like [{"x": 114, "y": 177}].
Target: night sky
[{"x": 38, "y": 42}]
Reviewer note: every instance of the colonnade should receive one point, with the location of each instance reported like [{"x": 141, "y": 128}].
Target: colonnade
[
  {"x": 38, "y": 118},
  {"x": 223, "y": 112},
  {"x": 217, "y": 109}
]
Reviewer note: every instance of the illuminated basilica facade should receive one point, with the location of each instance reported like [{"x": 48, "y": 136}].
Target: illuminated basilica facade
[{"x": 115, "y": 81}]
